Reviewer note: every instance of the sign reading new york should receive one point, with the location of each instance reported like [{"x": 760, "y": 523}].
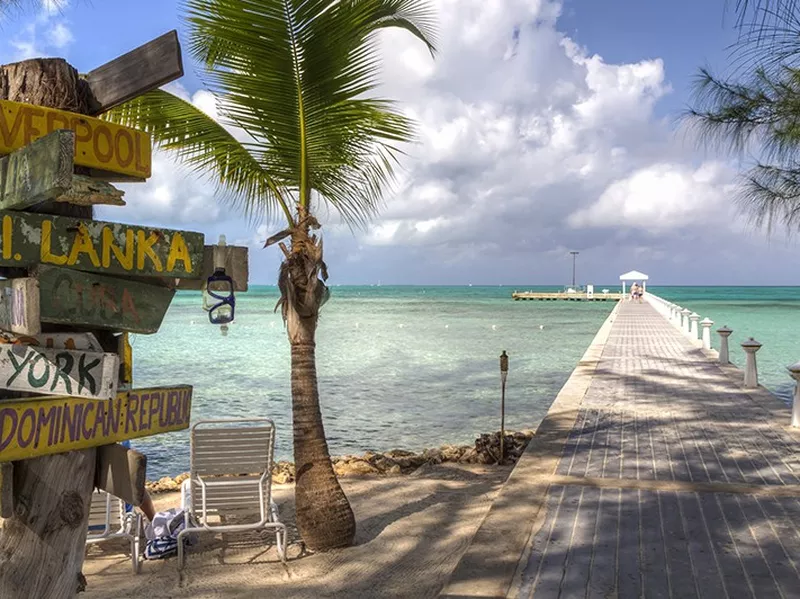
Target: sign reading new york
[
  {"x": 28, "y": 239},
  {"x": 98, "y": 144}
]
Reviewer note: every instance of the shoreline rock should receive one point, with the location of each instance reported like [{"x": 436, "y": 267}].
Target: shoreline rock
[{"x": 394, "y": 462}]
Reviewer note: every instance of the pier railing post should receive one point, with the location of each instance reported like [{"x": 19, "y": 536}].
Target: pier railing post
[
  {"x": 706, "y": 324},
  {"x": 694, "y": 318},
  {"x": 794, "y": 371},
  {"x": 685, "y": 319},
  {"x": 724, "y": 333},
  {"x": 676, "y": 319},
  {"x": 751, "y": 346}
]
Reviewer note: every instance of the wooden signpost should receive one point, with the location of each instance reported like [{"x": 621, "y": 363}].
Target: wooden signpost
[
  {"x": 19, "y": 306},
  {"x": 39, "y": 426},
  {"x": 77, "y": 273},
  {"x": 58, "y": 371},
  {"x": 28, "y": 239},
  {"x": 79, "y": 298}
]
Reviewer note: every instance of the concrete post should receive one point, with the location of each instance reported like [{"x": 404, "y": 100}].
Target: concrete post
[
  {"x": 706, "y": 328},
  {"x": 676, "y": 320},
  {"x": 694, "y": 317},
  {"x": 751, "y": 346},
  {"x": 685, "y": 319},
  {"x": 794, "y": 371},
  {"x": 724, "y": 333}
]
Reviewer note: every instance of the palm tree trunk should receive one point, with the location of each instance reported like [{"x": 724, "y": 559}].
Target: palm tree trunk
[{"x": 324, "y": 516}]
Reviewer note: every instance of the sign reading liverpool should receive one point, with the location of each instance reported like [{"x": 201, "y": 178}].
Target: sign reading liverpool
[{"x": 98, "y": 144}]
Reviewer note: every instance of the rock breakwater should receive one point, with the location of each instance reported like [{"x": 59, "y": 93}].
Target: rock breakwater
[{"x": 486, "y": 450}]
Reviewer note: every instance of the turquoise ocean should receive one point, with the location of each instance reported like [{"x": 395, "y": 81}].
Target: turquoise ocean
[{"x": 415, "y": 367}]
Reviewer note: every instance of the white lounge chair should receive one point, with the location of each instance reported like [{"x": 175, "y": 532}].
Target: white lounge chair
[
  {"x": 230, "y": 480},
  {"x": 108, "y": 519}
]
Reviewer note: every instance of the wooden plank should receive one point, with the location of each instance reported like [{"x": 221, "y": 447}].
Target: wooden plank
[
  {"x": 19, "y": 306},
  {"x": 6, "y": 490},
  {"x": 38, "y": 172},
  {"x": 38, "y": 426},
  {"x": 122, "y": 472},
  {"x": 27, "y": 239},
  {"x": 86, "y": 299},
  {"x": 125, "y": 352},
  {"x": 98, "y": 144},
  {"x": 60, "y": 372},
  {"x": 86, "y": 191},
  {"x": 146, "y": 68},
  {"x": 235, "y": 259},
  {"x": 79, "y": 341}
]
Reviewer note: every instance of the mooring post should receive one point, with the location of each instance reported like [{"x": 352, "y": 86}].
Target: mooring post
[
  {"x": 724, "y": 332},
  {"x": 694, "y": 318},
  {"x": 794, "y": 372},
  {"x": 751, "y": 346},
  {"x": 706, "y": 327}
]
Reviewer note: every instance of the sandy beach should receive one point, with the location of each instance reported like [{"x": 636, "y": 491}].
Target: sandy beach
[{"x": 412, "y": 531}]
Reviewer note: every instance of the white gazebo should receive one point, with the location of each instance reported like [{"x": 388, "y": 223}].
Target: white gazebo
[{"x": 634, "y": 276}]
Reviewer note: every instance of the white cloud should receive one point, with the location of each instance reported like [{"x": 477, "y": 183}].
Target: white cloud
[{"x": 662, "y": 197}]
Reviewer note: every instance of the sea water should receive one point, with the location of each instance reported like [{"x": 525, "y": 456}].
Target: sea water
[{"x": 413, "y": 367}]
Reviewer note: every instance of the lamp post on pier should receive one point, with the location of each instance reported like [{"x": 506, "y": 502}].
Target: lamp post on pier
[
  {"x": 574, "y": 255},
  {"x": 503, "y": 377}
]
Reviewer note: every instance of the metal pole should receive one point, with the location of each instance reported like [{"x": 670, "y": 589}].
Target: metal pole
[
  {"x": 503, "y": 376},
  {"x": 574, "y": 256}
]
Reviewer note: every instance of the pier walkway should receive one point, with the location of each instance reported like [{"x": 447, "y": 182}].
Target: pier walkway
[{"x": 654, "y": 474}]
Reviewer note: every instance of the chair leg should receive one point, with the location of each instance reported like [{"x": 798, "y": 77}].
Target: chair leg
[{"x": 181, "y": 549}]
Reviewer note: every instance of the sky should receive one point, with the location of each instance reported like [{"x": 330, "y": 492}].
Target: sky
[{"x": 544, "y": 127}]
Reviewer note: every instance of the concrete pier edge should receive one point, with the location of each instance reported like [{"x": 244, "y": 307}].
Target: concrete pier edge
[{"x": 489, "y": 566}]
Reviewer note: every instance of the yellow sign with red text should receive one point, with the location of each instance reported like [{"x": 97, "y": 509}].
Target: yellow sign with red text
[{"x": 98, "y": 144}]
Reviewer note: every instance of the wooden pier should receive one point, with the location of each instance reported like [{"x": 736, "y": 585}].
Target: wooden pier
[
  {"x": 563, "y": 296},
  {"x": 655, "y": 473}
]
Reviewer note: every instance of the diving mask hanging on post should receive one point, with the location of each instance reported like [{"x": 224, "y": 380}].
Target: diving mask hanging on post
[{"x": 218, "y": 297}]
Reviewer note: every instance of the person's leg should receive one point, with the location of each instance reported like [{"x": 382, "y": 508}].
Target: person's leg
[{"x": 147, "y": 507}]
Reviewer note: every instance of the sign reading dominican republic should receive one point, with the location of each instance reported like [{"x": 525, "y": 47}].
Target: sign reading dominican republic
[
  {"x": 44, "y": 425},
  {"x": 27, "y": 239}
]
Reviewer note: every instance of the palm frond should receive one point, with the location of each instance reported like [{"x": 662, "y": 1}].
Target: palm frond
[
  {"x": 208, "y": 147},
  {"x": 297, "y": 75}
]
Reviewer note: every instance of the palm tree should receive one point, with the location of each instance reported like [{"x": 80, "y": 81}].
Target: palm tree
[
  {"x": 756, "y": 109},
  {"x": 296, "y": 77}
]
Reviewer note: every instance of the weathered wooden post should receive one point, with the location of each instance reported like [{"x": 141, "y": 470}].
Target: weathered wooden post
[
  {"x": 706, "y": 324},
  {"x": 694, "y": 318},
  {"x": 724, "y": 332},
  {"x": 57, "y": 166},
  {"x": 794, "y": 372},
  {"x": 751, "y": 346}
]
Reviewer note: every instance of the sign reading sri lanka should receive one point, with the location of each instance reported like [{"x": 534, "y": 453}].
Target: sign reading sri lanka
[
  {"x": 44, "y": 425},
  {"x": 98, "y": 144},
  {"x": 27, "y": 239}
]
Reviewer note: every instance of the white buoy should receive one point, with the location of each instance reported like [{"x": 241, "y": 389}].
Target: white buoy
[
  {"x": 541, "y": 326},
  {"x": 494, "y": 327},
  {"x": 447, "y": 326}
]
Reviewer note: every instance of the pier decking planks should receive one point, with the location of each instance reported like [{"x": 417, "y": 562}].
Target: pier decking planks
[{"x": 672, "y": 480}]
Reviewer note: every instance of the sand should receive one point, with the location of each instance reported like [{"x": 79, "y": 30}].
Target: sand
[{"x": 412, "y": 530}]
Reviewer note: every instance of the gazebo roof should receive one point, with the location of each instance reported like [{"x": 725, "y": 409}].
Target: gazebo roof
[{"x": 633, "y": 275}]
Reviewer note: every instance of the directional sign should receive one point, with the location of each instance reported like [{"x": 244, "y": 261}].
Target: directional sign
[
  {"x": 19, "y": 306},
  {"x": 85, "y": 299},
  {"x": 235, "y": 263},
  {"x": 43, "y": 425},
  {"x": 98, "y": 144},
  {"x": 80, "y": 341},
  {"x": 58, "y": 371},
  {"x": 146, "y": 68},
  {"x": 27, "y": 239},
  {"x": 39, "y": 172}
]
